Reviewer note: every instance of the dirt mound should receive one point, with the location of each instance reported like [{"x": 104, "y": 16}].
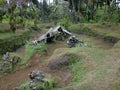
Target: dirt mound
[{"x": 58, "y": 62}]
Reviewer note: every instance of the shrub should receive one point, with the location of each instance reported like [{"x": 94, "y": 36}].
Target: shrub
[
  {"x": 65, "y": 23},
  {"x": 81, "y": 29},
  {"x": 75, "y": 27},
  {"x": 24, "y": 86},
  {"x": 38, "y": 84},
  {"x": 35, "y": 28}
]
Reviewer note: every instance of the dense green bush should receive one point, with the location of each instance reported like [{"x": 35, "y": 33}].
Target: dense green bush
[
  {"x": 65, "y": 22},
  {"x": 104, "y": 14},
  {"x": 35, "y": 28},
  {"x": 81, "y": 29},
  {"x": 75, "y": 28}
]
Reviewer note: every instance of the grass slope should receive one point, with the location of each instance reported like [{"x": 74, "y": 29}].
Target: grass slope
[
  {"x": 108, "y": 32},
  {"x": 98, "y": 69},
  {"x": 95, "y": 70}
]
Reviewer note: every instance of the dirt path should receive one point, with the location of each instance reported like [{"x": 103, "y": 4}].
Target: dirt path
[{"x": 39, "y": 62}]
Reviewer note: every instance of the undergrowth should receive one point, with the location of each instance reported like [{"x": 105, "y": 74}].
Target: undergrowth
[
  {"x": 38, "y": 84},
  {"x": 32, "y": 49}
]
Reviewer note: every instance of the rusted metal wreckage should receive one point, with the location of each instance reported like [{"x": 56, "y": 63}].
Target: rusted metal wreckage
[
  {"x": 59, "y": 33},
  {"x": 52, "y": 34}
]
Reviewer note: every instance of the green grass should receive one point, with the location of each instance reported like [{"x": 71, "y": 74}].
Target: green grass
[
  {"x": 81, "y": 69},
  {"x": 75, "y": 27},
  {"x": 112, "y": 30},
  {"x": 30, "y": 50},
  {"x": 9, "y": 67},
  {"x": 106, "y": 29},
  {"x": 77, "y": 65},
  {"x": 25, "y": 85},
  {"x": 81, "y": 29},
  {"x": 7, "y": 35},
  {"x": 4, "y": 27},
  {"x": 107, "y": 32}
]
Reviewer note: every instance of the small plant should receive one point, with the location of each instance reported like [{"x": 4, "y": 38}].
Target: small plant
[
  {"x": 24, "y": 86},
  {"x": 9, "y": 64},
  {"x": 49, "y": 85}
]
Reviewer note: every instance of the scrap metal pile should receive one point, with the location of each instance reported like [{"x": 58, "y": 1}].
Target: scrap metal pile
[
  {"x": 58, "y": 33},
  {"x": 8, "y": 61},
  {"x": 38, "y": 81},
  {"x": 37, "y": 77},
  {"x": 73, "y": 41}
]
